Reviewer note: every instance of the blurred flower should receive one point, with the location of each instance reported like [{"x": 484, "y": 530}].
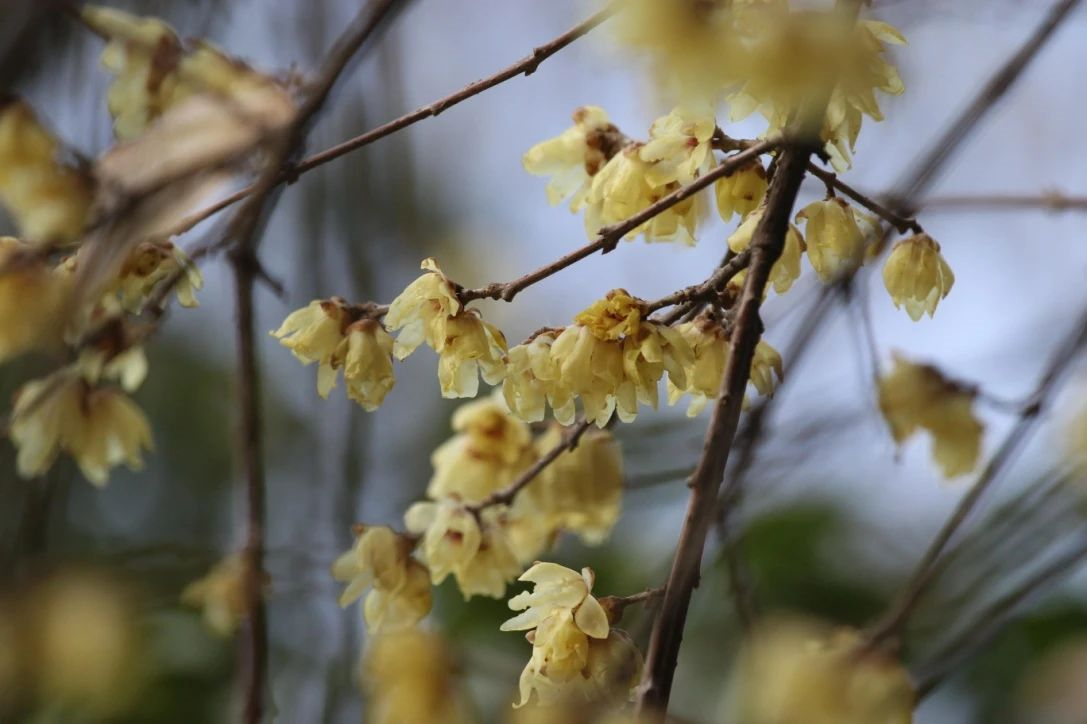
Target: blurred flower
[
  {"x": 491, "y": 449},
  {"x": 678, "y": 149},
  {"x": 766, "y": 368},
  {"x": 31, "y": 300},
  {"x": 742, "y": 191},
  {"x": 834, "y": 236},
  {"x": 572, "y": 158},
  {"x": 408, "y": 677},
  {"x": 581, "y": 490},
  {"x": 49, "y": 200},
  {"x": 798, "y": 672},
  {"x": 917, "y": 276},
  {"x": 151, "y": 263},
  {"x": 474, "y": 549},
  {"x": 381, "y": 560},
  {"x": 99, "y": 427},
  {"x": 1054, "y": 689},
  {"x": 786, "y": 269},
  {"x": 914, "y": 396},
  {"x": 223, "y": 594}
]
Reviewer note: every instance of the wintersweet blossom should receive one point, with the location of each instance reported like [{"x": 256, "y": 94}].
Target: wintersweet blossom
[
  {"x": 473, "y": 548},
  {"x": 561, "y": 615},
  {"x": 786, "y": 269},
  {"x": 573, "y": 157},
  {"x": 742, "y": 191},
  {"x": 366, "y": 356},
  {"x": 613, "y": 359},
  {"x": 533, "y": 380},
  {"x": 100, "y": 427},
  {"x": 581, "y": 490},
  {"x": 223, "y": 594},
  {"x": 915, "y": 396},
  {"x": 47, "y": 198},
  {"x": 381, "y": 561},
  {"x": 490, "y": 449},
  {"x": 679, "y": 146},
  {"x": 835, "y": 233},
  {"x": 799, "y": 672},
  {"x": 709, "y": 342},
  {"x": 917, "y": 276},
  {"x": 150, "y": 263},
  {"x": 408, "y": 676},
  {"x": 31, "y": 299}
]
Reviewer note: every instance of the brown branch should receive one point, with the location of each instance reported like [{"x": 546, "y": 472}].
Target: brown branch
[
  {"x": 1048, "y": 201},
  {"x": 609, "y": 236},
  {"x": 505, "y": 496},
  {"x": 616, "y": 605},
  {"x": 766, "y": 247},
  {"x": 524, "y": 66},
  {"x": 244, "y": 233},
  {"x": 892, "y": 623},
  {"x": 707, "y": 289},
  {"x": 901, "y": 223}
]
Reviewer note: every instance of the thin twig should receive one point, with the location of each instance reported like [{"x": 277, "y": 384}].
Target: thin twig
[
  {"x": 524, "y": 66},
  {"x": 707, "y": 289},
  {"x": 766, "y": 247},
  {"x": 505, "y": 495},
  {"x": 892, "y": 623},
  {"x": 1049, "y": 201},
  {"x": 901, "y": 223},
  {"x": 244, "y": 233},
  {"x": 608, "y": 237}
]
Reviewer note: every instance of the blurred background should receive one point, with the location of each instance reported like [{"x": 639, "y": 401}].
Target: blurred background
[{"x": 833, "y": 516}]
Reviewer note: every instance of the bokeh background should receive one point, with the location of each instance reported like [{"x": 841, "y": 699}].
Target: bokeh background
[{"x": 834, "y": 516}]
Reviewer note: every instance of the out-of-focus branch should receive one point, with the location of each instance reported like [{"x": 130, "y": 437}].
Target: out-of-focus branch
[
  {"x": 524, "y": 66},
  {"x": 891, "y": 624},
  {"x": 766, "y": 247},
  {"x": 243, "y": 235},
  {"x": 1054, "y": 201}
]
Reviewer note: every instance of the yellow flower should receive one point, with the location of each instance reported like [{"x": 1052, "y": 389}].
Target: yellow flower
[
  {"x": 400, "y": 585},
  {"x": 621, "y": 189},
  {"x": 476, "y": 551},
  {"x": 786, "y": 269},
  {"x": 470, "y": 349},
  {"x": 31, "y": 300},
  {"x": 48, "y": 199},
  {"x": 155, "y": 72},
  {"x": 835, "y": 237},
  {"x": 679, "y": 146},
  {"x": 408, "y": 678},
  {"x": 797, "y": 672},
  {"x": 99, "y": 427},
  {"x": 572, "y": 158},
  {"x": 711, "y": 349},
  {"x": 692, "y": 43},
  {"x": 581, "y": 490},
  {"x": 533, "y": 381},
  {"x": 153, "y": 262},
  {"x": 421, "y": 310},
  {"x": 366, "y": 355},
  {"x": 314, "y": 334},
  {"x": 917, "y": 276},
  {"x": 914, "y": 396},
  {"x": 564, "y": 616},
  {"x": 491, "y": 449},
  {"x": 742, "y": 191},
  {"x": 223, "y": 594}
]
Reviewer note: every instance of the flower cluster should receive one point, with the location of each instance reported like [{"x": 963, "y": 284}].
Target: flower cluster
[
  {"x": 914, "y": 396},
  {"x": 575, "y": 652},
  {"x": 338, "y": 336},
  {"x": 399, "y": 585},
  {"x": 612, "y": 358},
  {"x": 710, "y": 350}
]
